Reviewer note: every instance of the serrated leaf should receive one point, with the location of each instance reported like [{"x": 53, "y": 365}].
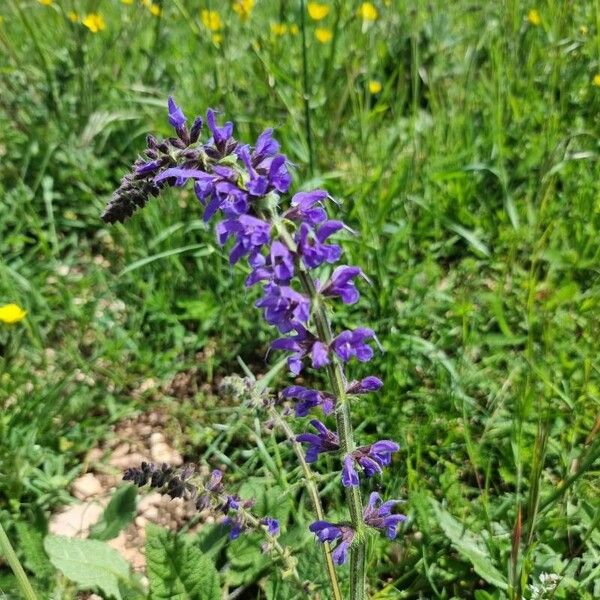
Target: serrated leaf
[
  {"x": 211, "y": 539},
  {"x": 177, "y": 570},
  {"x": 247, "y": 560},
  {"x": 469, "y": 547},
  {"x": 31, "y": 543},
  {"x": 89, "y": 563},
  {"x": 118, "y": 513}
]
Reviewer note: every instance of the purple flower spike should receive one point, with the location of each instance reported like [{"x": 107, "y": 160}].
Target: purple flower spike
[
  {"x": 308, "y": 399},
  {"x": 364, "y": 386},
  {"x": 329, "y": 532},
  {"x": 379, "y": 515},
  {"x": 272, "y": 525},
  {"x": 341, "y": 284},
  {"x": 352, "y": 343},
  {"x": 176, "y": 117},
  {"x": 284, "y": 307},
  {"x": 349, "y": 474},
  {"x": 324, "y": 441}
]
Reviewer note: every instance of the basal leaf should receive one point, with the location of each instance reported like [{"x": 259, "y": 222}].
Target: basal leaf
[
  {"x": 89, "y": 563},
  {"x": 177, "y": 570},
  {"x": 469, "y": 547}
]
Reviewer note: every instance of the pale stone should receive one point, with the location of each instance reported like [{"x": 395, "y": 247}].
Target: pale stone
[
  {"x": 163, "y": 453},
  {"x": 76, "y": 520},
  {"x": 129, "y": 460},
  {"x": 157, "y": 437},
  {"x": 86, "y": 486}
]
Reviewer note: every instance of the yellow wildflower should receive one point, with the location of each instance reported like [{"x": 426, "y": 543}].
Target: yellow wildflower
[
  {"x": 323, "y": 34},
  {"x": 73, "y": 16},
  {"x": 374, "y": 86},
  {"x": 155, "y": 9},
  {"x": 534, "y": 17},
  {"x": 217, "y": 38},
  {"x": 127, "y": 1},
  {"x": 211, "y": 19},
  {"x": 279, "y": 29},
  {"x": 368, "y": 12},
  {"x": 583, "y": 30},
  {"x": 94, "y": 22},
  {"x": 294, "y": 29},
  {"x": 596, "y": 80},
  {"x": 11, "y": 313},
  {"x": 45, "y": 2},
  {"x": 243, "y": 8},
  {"x": 317, "y": 11}
]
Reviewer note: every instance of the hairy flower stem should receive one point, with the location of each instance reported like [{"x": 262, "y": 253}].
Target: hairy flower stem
[
  {"x": 345, "y": 431},
  {"x": 314, "y": 496},
  {"x": 346, "y": 434}
]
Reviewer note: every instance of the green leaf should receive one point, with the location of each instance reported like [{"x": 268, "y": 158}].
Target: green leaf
[
  {"x": 118, "y": 514},
  {"x": 177, "y": 570},
  {"x": 247, "y": 560},
  {"x": 469, "y": 546},
  {"x": 31, "y": 543},
  {"x": 89, "y": 563}
]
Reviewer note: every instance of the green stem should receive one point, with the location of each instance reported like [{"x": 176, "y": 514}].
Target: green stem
[
  {"x": 305, "y": 90},
  {"x": 15, "y": 565},
  {"x": 346, "y": 434},
  {"x": 345, "y": 431},
  {"x": 313, "y": 492}
]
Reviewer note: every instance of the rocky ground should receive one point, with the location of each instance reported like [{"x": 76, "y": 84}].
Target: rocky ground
[{"x": 135, "y": 440}]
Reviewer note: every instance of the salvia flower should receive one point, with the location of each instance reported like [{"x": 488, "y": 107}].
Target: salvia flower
[
  {"x": 379, "y": 515},
  {"x": 342, "y": 535},
  {"x": 352, "y": 343},
  {"x": 341, "y": 284},
  {"x": 312, "y": 247},
  {"x": 308, "y": 207},
  {"x": 271, "y": 524},
  {"x": 308, "y": 399},
  {"x": 302, "y": 344},
  {"x": 209, "y": 495},
  {"x": 284, "y": 307},
  {"x": 323, "y": 441},
  {"x": 243, "y": 186},
  {"x": 236, "y": 526},
  {"x": 250, "y": 234},
  {"x": 176, "y": 117},
  {"x": 371, "y": 459},
  {"x": 364, "y": 386}
]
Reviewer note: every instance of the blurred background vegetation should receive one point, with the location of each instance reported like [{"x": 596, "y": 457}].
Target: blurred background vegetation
[{"x": 463, "y": 141}]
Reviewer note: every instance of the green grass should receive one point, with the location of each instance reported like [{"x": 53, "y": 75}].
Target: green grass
[{"x": 473, "y": 182}]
